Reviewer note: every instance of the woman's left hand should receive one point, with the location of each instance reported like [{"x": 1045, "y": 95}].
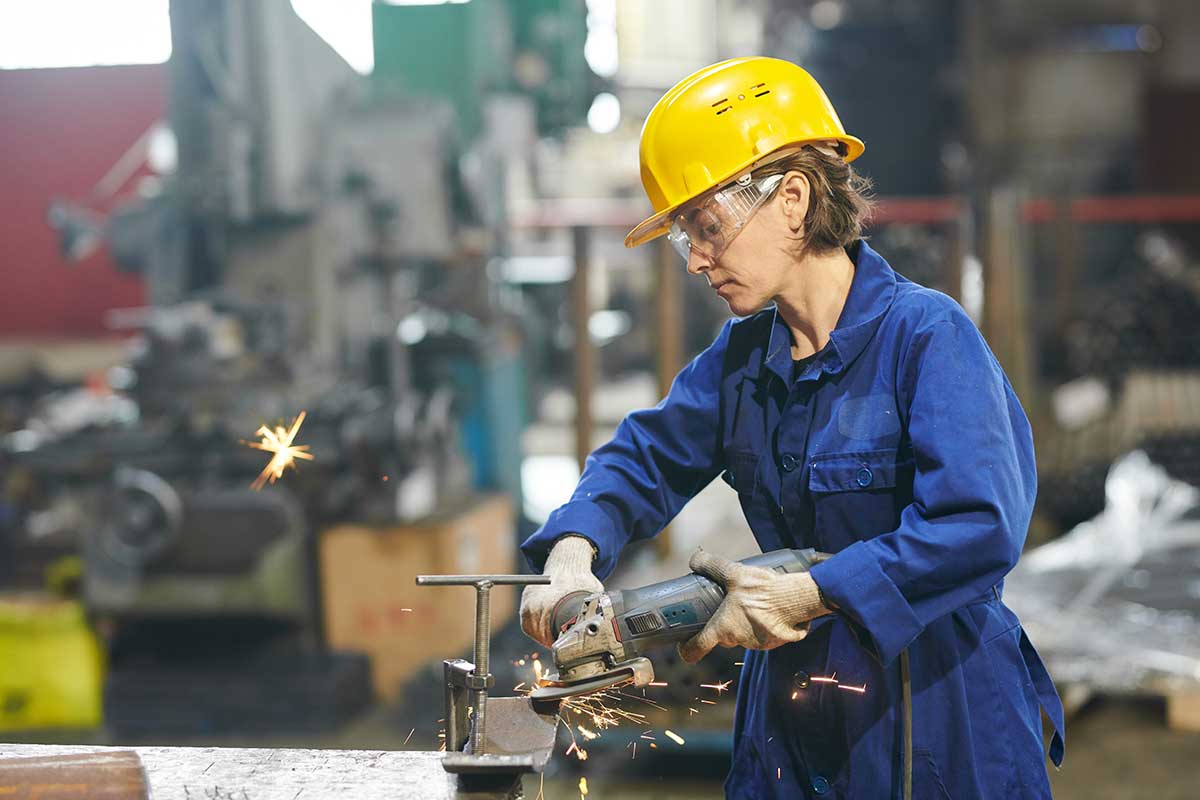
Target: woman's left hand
[{"x": 762, "y": 609}]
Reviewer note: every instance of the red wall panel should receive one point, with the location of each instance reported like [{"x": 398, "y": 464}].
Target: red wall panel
[{"x": 60, "y": 132}]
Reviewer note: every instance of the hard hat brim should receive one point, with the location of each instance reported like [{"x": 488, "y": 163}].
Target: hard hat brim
[
  {"x": 651, "y": 228},
  {"x": 659, "y": 223}
]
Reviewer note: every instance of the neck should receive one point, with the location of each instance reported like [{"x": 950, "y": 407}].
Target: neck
[{"x": 811, "y": 302}]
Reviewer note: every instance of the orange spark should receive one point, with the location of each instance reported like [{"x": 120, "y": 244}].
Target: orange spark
[
  {"x": 278, "y": 443},
  {"x": 410, "y": 733},
  {"x": 675, "y": 737},
  {"x": 860, "y": 689},
  {"x": 723, "y": 686},
  {"x": 583, "y": 790},
  {"x": 657, "y": 683}
]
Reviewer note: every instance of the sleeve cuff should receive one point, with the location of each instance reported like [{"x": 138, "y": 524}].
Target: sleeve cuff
[
  {"x": 579, "y": 519},
  {"x": 853, "y": 580}
]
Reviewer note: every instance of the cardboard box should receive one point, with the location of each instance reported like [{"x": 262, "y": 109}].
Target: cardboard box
[{"x": 371, "y": 600}]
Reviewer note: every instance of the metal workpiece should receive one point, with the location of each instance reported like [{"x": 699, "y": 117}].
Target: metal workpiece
[
  {"x": 490, "y": 741},
  {"x": 520, "y": 740}
]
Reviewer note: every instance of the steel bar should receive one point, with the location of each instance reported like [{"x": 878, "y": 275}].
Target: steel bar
[
  {"x": 472, "y": 580},
  {"x": 112, "y": 775},
  {"x": 483, "y": 635}
]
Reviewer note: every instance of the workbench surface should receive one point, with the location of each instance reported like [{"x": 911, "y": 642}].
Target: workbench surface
[{"x": 220, "y": 773}]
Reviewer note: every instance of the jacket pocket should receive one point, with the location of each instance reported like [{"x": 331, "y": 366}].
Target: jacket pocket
[
  {"x": 858, "y": 495},
  {"x": 1019, "y": 714}
]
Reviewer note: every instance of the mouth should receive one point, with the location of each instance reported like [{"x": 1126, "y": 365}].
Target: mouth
[{"x": 716, "y": 287}]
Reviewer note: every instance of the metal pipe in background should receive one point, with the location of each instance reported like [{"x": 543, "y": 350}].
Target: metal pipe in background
[{"x": 581, "y": 314}]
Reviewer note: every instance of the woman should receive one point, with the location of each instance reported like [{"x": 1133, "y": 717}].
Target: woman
[{"x": 853, "y": 411}]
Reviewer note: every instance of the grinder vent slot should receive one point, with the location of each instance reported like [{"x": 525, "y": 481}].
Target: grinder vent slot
[{"x": 643, "y": 623}]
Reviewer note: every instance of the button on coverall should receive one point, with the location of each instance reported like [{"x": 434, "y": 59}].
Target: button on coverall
[{"x": 901, "y": 449}]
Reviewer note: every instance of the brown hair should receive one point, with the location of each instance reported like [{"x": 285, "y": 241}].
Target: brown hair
[{"x": 839, "y": 203}]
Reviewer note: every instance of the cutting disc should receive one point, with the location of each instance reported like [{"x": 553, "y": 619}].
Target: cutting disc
[
  {"x": 560, "y": 690},
  {"x": 638, "y": 671}
]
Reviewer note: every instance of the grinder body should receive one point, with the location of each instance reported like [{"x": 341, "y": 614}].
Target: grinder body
[{"x": 599, "y": 633}]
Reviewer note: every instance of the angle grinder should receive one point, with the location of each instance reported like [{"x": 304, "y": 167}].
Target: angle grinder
[{"x": 603, "y": 637}]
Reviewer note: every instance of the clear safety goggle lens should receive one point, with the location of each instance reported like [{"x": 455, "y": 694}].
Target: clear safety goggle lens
[{"x": 709, "y": 227}]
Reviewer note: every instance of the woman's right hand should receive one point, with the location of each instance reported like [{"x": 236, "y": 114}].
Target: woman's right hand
[{"x": 570, "y": 569}]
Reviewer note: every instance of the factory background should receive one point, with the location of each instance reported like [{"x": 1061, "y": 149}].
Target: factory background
[{"x": 399, "y": 226}]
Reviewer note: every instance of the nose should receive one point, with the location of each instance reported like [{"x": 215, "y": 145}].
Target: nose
[{"x": 697, "y": 262}]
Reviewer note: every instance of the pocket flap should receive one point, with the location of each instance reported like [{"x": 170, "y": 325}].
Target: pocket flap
[{"x": 853, "y": 472}]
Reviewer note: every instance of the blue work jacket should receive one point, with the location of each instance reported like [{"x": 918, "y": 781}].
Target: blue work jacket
[{"x": 901, "y": 449}]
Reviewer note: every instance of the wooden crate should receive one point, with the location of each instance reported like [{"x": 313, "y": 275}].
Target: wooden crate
[{"x": 372, "y": 603}]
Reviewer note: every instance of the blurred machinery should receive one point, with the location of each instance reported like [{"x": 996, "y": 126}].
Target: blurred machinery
[
  {"x": 1131, "y": 353},
  {"x": 300, "y": 255}
]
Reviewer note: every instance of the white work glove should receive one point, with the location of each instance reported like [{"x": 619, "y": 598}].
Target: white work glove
[
  {"x": 570, "y": 569},
  {"x": 762, "y": 608}
]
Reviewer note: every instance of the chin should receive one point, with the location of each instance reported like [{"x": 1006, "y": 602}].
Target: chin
[{"x": 744, "y": 307}]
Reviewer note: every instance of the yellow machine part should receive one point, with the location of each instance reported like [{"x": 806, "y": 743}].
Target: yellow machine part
[{"x": 51, "y": 664}]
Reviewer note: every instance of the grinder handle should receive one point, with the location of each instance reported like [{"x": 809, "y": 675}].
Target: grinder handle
[{"x": 674, "y": 610}]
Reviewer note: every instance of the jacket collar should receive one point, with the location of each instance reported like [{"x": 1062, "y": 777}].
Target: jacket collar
[{"x": 871, "y": 294}]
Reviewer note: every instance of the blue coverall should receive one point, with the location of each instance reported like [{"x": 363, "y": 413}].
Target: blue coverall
[{"x": 902, "y": 450}]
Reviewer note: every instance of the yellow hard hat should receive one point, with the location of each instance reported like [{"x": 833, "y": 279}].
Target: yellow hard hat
[{"x": 715, "y": 123}]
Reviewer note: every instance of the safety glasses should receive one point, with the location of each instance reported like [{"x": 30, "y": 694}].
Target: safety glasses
[{"x": 710, "y": 225}]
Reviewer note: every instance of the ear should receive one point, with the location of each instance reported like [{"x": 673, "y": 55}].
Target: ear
[{"x": 794, "y": 193}]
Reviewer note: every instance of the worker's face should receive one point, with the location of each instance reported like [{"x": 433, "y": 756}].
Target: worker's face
[{"x": 760, "y": 262}]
